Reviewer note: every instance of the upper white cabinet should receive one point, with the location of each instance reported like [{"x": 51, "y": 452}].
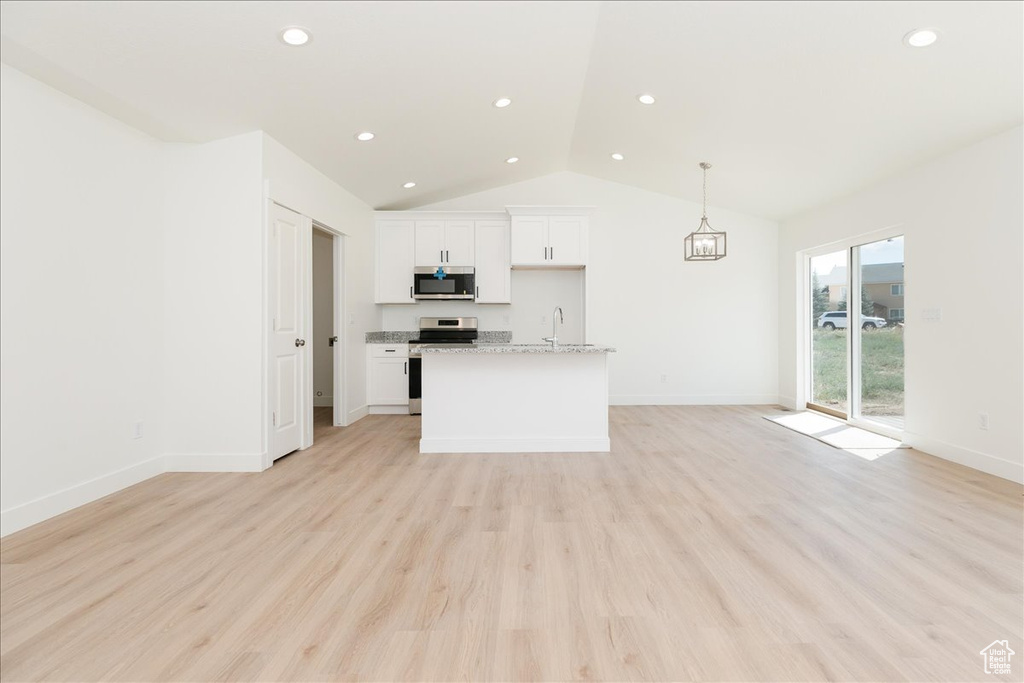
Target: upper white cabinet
[
  {"x": 493, "y": 273},
  {"x": 549, "y": 240},
  {"x": 445, "y": 243},
  {"x": 395, "y": 262}
]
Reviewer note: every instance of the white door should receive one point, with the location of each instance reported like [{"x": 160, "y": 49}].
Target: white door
[
  {"x": 529, "y": 240},
  {"x": 290, "y": 233},
  {"x": 429, "y": 243},
  {"x": 493, "y": 276},
  {"x": 458, "y": 243},
  {"x": 565, "y": 240}
]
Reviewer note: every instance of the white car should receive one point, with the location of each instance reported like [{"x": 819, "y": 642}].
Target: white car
[{"x": 831, "y": 320}]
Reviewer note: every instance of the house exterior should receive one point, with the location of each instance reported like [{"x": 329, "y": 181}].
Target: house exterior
[{"x": 883, "y": 286}]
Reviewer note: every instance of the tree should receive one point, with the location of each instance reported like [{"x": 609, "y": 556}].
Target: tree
[
  {"x": 819, "y": 296},
  {"x": 867, "y": 306}
]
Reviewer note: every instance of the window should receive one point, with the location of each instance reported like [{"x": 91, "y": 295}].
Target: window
[
  {"x": 896, "y": 313},
  {"x": 896, "y": 290}
]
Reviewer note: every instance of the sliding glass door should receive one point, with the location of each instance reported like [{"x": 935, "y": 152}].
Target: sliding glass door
[
  {"x": 856, "y": 304},
  {"x": 878, "y": 343},
  {"x": 829, "y": 335}
]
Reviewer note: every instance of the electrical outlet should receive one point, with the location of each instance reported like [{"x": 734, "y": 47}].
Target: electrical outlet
[
  {"x": 137, "y": 430},
  {"x": 664, "y": 378},
  {"x": 543, "y": 320},
  {"x": 982, "y": 420}
]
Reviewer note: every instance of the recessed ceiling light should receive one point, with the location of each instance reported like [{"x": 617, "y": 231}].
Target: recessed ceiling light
[
  {"x": 365, "y": 136},
  {"x": 295, "y": 36},
  {"x": 511, "y": 160},
  {"x": 617, "y": 156},
  {"x": 645, "y": 99},
  {"x": 408, "y": 185},
  {"x": 502, "y": 102},
  {"x": 921, "y": 37}
]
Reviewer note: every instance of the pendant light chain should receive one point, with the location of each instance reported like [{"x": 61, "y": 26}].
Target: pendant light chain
[{"x": 705, "y": 165}]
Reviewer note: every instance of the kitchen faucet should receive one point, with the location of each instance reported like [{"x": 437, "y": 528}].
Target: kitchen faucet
[{"x": 554, "y": 327}]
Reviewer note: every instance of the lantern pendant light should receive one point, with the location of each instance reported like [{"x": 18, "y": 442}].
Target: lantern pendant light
[{"x": 704, "y": 244}]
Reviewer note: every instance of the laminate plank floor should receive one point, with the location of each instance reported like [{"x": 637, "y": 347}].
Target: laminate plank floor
[{"x": 710, "y": 544}]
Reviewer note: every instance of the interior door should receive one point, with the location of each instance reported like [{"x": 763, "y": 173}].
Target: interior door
[{"x": 289, "y": 235}]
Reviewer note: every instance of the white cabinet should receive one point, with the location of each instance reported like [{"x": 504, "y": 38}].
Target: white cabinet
[
  {"x": 549, "y": 240},
  {"x": 395, "y": 262},
  {"x": 387, "y": 376},
  {"x": 444, "y": 243},
  {"x": 493, "y": 273}
]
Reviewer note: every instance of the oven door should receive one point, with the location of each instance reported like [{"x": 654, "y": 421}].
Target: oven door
[{"x": 445, "y": 282}]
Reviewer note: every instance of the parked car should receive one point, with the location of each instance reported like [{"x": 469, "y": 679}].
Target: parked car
[{"x": 831, "y": 320}]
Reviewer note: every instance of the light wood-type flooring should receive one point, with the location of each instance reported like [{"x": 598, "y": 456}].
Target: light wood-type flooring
[{"x": 710, "y": 544}]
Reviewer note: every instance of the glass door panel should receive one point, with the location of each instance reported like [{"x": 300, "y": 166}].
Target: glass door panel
[
  {"x": 878, "y": 354},
  {"x": 829, "y": 343}
]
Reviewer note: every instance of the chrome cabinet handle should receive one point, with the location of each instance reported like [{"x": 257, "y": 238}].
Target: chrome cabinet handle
[
  {"x": 447, "y": 259},
  {"x": 300, "y": 342},
  {"x": 405, "y": 367},
  {"x": 410, "y": 292}
]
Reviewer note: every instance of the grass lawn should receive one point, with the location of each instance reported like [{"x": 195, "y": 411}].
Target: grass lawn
[{"x": 881, "y": 370}]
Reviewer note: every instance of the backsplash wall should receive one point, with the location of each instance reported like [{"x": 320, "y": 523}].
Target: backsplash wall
[{"x": 535, "y": 293}]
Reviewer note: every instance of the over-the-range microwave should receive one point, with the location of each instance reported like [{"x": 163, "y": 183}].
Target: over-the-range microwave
[{"x": 444, "y": 282}]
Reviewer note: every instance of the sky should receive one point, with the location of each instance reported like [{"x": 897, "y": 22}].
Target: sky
[{"x": 886, "y": 251}]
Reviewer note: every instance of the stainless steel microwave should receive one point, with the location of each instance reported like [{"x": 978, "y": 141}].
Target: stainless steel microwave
[{"x": 444, "y": 282}]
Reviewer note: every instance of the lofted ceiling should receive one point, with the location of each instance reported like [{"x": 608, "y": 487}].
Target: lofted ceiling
[{"x": 795, "y": 103}]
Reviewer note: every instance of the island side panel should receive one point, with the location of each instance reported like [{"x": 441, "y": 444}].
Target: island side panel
[{"x": 515, "y": 403}]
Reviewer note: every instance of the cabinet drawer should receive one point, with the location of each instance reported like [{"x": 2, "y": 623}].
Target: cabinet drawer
[{"x": 389, "y": 350}]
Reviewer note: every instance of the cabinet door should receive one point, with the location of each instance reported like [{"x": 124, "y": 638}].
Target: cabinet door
[
  {"x": 395, "y": 247},
  {"x": 493, "y": 272},
  {"x": 458, "y": 243},
  {"x": 529, "y": 240},
  {"x": 566, "y": 241},
  {"x": 429, "y": 243},
  {"x": 389, "y": 382}
]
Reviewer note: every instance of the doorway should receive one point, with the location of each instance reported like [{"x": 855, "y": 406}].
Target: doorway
[
  {"x": 856, "y": 317},
  {"x": 323, "y": 337}
]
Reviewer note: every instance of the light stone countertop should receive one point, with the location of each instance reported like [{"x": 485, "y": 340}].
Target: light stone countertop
[{"x": 513, "y": 348}]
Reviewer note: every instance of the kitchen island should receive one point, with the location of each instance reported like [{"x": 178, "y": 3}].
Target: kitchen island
[{"x": 515, "y": 398}]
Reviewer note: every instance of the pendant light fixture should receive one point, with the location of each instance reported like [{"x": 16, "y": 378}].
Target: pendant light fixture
[{"x": 704, "y": 244}]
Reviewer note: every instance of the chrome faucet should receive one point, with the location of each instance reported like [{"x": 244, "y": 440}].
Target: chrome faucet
[{"x": 554, "y": 326}]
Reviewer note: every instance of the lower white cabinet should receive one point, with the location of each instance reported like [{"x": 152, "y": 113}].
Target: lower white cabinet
[{"x": 387, "y": 376}]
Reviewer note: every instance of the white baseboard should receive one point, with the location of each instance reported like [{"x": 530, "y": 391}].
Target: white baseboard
[
  {"x": 214, "y": 462},
  {"x": 788, "y": 402},
  {"x": 358, "y": 414},
  {"x": 1005, "y": 469},
  {"x": 389, "y": 410},
  {"x": 708, "y": 400},
  {"x": 585, "y": 445},
  {"x": 40, "y": 509}
]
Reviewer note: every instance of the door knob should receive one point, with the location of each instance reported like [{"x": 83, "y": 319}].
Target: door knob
[{"x": 300, "y": 342}]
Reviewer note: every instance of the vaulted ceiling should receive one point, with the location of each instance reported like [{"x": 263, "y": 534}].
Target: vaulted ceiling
[{"x": 795, "y": 103}]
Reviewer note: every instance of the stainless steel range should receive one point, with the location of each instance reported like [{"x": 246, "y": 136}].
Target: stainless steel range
[{"x": 435, "y": 331}]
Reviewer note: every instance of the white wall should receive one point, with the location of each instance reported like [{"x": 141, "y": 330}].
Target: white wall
[
  {"x": 212, "y": 276},
  {"x": 535, "y": 294},
  {"x": 294, "y": 183},
  {"x": 323, "y": 318},
  {"x": 81, "y": 303},
  {"x": 708, "y": 328},
  {"x": 963, "y": 220}
]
